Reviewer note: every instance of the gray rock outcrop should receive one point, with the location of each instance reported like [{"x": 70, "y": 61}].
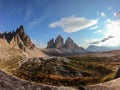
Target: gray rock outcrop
[
  {"x": 59, "y": 48},
  {"x": 69, "y": 43},
  {"x": 51, "y": 44},
  {"x": 59, "y": 42}
]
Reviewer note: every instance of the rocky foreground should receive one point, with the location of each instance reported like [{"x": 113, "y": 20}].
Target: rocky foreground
[
  {"x": 111, "y": 85},
  {"x": 8, "y": 82}
]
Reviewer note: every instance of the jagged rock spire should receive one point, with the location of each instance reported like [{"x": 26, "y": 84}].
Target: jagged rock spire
[
  {"x": 59, "y": 42},
  {"x": 18, "y": 38},
  {"x": 51, "y": 44},
  {"x": 69, "y": 43}
]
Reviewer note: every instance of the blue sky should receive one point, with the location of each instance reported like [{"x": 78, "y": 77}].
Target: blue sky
[{"x": 85, "y": 21}]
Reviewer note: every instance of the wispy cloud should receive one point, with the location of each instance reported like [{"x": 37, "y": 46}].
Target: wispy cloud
[
  {"x": 112, "y": 34},
  {"x": 103, "y": 14},
  {"x": 73, "y": 24},
  {"x": 27, "y": 14},
  {"x": 37, "y": 21},
  {"x": 94, "y": 27},
  {"x": 39, "y": 43},
  {"x": 103, "y": 40},
  {"x": 112, "y": 28}
]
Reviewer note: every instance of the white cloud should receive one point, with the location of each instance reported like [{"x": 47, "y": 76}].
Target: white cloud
[
  {"x": 116, "y": 14},
  {"x": 113, "y": 42},
  {"x": 112, "y": 28},
  {"x": 27, "y": 14},
  {"x": 92, "y": 40},
  {"x": 73, "y": 24},
  {"x": 39, "y": 43},
  {"x": 98, "y": 31},
  {"x": 36, "y": 21},
  {"x": 88, "y": 41},
  {"x": 103, "y": 14},
  {"x": 94, "y": 27}
]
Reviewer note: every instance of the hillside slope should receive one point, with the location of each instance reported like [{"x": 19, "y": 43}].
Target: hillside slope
[
  {"x": 8, "y": 82},
  {"x": 111, "y": 85}
]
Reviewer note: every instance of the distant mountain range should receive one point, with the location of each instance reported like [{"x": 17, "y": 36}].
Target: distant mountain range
[{"x": 93, "y": 48}]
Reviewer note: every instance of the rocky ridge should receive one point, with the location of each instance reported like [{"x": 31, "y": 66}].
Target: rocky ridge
[
  {"x": 59, "y": 43},
  {"x": 20, "y": 40}
]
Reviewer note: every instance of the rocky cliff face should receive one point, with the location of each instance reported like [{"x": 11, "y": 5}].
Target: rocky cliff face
[
  {"x": 51, "y": 44},
  {"x": 59, "y": 43},
  {"x": 18, "y": 39},
  {"x": 58, "y": 47},
  {"x": 69, "y": 43}
]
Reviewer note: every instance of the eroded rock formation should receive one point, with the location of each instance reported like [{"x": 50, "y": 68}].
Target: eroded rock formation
[
  {"x": 58, "y": 47},
  {"x": 59, "y": 42},
  {"x": 20, "y": 40},
  {"x": 51, "y": 44},
  {"x": 69, "y": 43}
]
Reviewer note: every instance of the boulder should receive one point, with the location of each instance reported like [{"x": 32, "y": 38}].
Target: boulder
[{"x": 118, "y": 73}]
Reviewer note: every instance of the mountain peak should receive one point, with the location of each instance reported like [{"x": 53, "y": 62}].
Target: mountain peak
[
  {"x": 69, "y": 43},
  {"x": 20, "y": 30},
  {"x": 59, "y": 42},
  {"x": 18, "y": 38}
]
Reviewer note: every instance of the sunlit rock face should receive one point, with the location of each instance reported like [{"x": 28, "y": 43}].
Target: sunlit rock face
[{"x": 18, "y": 39}]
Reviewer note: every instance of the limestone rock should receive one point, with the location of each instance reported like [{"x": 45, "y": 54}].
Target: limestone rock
[
  {"x": 18, "y": 39},
  {"x": 24, "y": 37},
  {"x": 59, "y": 48},
  {"x": 51, "y": 44},
  {"x": 69, "y": 43},
  {"x": 59, "y": 42}
]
